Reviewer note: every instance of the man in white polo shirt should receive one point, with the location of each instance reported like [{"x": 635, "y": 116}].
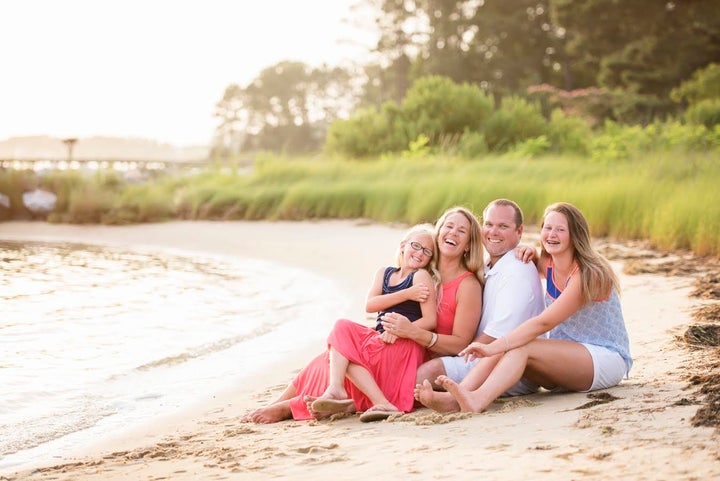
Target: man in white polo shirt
[{"x": 512, "y": 293}]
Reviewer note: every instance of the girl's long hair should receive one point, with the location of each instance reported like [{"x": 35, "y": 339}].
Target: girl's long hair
[{"x": 598, "y": 277}]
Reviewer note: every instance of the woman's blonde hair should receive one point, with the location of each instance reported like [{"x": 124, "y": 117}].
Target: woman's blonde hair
[
  {"x": 598, "y": 277},
  {"x": 474, "y": 259}
]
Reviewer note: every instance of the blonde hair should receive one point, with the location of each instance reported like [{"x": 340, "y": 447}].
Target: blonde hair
[
  {"x": 432, "y": 264},
  {"x": 596, "y": 273},
  {"x": 474, "y": 258}
]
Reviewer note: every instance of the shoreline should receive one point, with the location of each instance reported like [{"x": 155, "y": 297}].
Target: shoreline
[
  {"x": 642, "y": 431},
  {"x": 87, "y": 317}
]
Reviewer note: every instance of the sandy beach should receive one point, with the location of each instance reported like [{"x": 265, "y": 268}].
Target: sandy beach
[{"x": 640, "y": 430}]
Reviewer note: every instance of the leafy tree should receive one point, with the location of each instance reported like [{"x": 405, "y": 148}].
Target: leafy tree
[
  {"x": 704, "y": 85},
  {"x": 642, "y": 48},
  {"x": 287, "y": 107},
  {"x": 387, "y": 77},
  {"x": 634, "y": 51},
  {"x": 705, "y": 112},
  {"x": 232, "y": 117},
  {"x": 385, "y": 84},
  {"x": 502, "y": 46}
]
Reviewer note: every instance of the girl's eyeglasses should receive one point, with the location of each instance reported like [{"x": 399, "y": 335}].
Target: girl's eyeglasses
[{"x": 418, "y": 247}]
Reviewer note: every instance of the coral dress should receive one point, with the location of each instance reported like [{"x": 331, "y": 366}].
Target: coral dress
[{"x": 393, "y": 366}]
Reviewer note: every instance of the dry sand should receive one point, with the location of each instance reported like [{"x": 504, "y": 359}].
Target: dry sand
[{"x": 641, "y": 429}]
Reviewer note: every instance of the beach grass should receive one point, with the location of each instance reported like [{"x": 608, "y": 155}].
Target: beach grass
[{"x": 668, "y": 198}]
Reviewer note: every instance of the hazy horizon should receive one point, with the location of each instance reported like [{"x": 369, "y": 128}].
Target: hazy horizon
[
  {"x": 38, "y": 147},
  {"x": 153, "y": 70}
]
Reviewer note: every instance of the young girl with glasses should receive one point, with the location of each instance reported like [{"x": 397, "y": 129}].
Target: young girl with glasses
[{"x": 373, "y": 370}]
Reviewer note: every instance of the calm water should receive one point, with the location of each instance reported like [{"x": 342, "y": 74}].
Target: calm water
[{"x": 93, "y": 339}]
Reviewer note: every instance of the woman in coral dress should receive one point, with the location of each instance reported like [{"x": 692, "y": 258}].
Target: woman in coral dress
[{"x": 373, "y": 370}]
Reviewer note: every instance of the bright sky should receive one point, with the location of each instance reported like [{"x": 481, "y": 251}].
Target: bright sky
[{"x": 153, "y": 68}]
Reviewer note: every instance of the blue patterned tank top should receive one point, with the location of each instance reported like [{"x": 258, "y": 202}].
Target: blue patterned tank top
[
  {"x": 600, "y": 323},
  {"x": 409, "y": 309}
]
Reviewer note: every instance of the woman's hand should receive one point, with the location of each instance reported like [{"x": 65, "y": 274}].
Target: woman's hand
[
  {"x": 397, "y": 324},
  {"x": 476, "y": 350}
]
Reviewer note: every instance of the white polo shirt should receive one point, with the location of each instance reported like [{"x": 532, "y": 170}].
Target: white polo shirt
[{"x": 512, "y": 294}]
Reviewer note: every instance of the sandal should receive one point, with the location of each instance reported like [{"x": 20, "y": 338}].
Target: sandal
[
  {"x": 327, "y": 405},
  {"x": 372, "y": 415}
]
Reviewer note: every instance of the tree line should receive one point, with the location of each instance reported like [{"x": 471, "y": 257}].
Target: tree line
[{"x": 632, "y": 62}]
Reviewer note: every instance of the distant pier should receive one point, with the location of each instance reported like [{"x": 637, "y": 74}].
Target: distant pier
[{"x": 122, "y": 165}]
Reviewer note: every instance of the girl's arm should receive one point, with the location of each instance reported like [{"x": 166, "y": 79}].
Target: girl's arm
[
  {"x": 419, "y": 331},
  {"x": 428, "y": 307},
  {"x": 567, "y": 304},
  {"x": 376, "y": 301}
]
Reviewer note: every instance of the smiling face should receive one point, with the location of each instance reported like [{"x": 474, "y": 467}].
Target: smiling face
[
  {"x": 555, "y": 234},
  {"x": 500, "y": 233},
  {"x": 454, "y": 235},
  {"x": 418, "y": 250}
]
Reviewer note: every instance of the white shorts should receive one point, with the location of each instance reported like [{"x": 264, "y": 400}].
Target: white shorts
[
  {"x": 608, "y": 366},
  {"x": 456, "y": 368}
]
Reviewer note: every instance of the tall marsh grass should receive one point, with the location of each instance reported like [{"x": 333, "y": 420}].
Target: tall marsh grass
[{"x": 670, "y": 199}]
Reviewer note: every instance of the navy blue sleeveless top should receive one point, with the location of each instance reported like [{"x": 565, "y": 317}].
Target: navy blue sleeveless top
[{"x": 409, "y": 309}]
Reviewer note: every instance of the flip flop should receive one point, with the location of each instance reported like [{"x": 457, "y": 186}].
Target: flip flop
[
  {"x": 370, "y": 415},
  {"x": 326, "y": 405}
]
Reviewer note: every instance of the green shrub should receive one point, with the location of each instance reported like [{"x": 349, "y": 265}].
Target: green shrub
[
  {"x": 418, "y": 148},
  {"x": 367, "y": 133},
  {"x": 534, "y": 147},
  {"x": 706, "y": 112},
  {"x": 704, "y": 84},
  {"x": 437, "y": 107},
  {"x": 472, "y": 145},
  {"x": 568, "y": 135},
  {"x": 516, "y": 120},
  {"x": 140, "y": 203},
  {"x": 88, "y": 205}
]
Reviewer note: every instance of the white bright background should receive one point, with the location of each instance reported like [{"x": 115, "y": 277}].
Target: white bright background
[{"x": 153, "y": 68}]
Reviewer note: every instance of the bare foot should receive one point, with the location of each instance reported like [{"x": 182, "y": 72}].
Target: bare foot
[
  {"x": 270, "y": 414},
  {"x": 467, "y": 400},
  {"x": 442, "y": 402}
]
